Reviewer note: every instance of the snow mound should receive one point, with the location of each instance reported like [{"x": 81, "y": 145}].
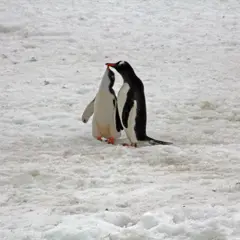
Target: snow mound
[
  {"x": 117, "y": 218},
  {"x": 167, "y": 223},
  {"x": 81, "y": 227}
]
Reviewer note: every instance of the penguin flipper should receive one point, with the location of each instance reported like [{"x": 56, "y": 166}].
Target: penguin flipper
[
  {"x": 88, "y": 112},
  {"x": 153, "y": 141},
  {"x": 126, "y": 110},
  {"x": 119, "y": 126}
]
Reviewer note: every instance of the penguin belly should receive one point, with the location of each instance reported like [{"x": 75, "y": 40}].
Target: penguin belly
[
  {"x": 131, "y": 113},
  {"x": 104, "y": 118}
]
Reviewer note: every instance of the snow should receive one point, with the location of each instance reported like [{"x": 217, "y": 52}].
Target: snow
[{"x": 58, "y": 183}]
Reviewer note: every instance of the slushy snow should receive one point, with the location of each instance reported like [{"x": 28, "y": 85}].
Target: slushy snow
[{"x": 58, "y": 183}]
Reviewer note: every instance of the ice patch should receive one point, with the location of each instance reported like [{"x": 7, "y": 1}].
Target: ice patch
[
  {"x": 206, "y": 105},
  {"x": 22, "y": 179},
  {"x": 9, "y": 28}
]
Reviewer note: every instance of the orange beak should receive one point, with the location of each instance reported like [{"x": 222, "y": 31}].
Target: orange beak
[{"x": 110, "y": 64}]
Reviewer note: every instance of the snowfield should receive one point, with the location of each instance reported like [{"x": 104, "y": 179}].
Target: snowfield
[{"x": 57, "y": 182}]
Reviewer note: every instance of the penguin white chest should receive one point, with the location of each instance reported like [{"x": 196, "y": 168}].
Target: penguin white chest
[
  {"x": 103, "y": 107},
  {"x": 122, "y": 98},
  {"x": 104, "y": 115}
]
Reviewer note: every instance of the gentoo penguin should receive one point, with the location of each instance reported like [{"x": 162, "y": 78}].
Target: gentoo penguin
[
  {"x": 132, "y": 105},
  {"x": 106, "y": 121}
]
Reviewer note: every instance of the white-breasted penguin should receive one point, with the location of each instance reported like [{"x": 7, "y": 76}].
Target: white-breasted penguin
[
  {"x": 106, "y": 122},
  {"x": 132, "y": 105}
]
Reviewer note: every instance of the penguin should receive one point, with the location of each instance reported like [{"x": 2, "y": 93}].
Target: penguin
[
  {"x": 132, "y": 105},
  {"x": 106, "y": 121}
]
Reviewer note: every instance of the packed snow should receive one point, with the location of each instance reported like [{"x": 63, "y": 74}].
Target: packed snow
[{"x": 58, "y": 183}]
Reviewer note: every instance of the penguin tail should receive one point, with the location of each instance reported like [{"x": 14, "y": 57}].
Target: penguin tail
[{"x": 153, "y": 141}]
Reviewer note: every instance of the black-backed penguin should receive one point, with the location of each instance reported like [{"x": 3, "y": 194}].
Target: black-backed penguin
[
  {"x": 106, "y": 122},
  {"x": 132, "y": 105}
]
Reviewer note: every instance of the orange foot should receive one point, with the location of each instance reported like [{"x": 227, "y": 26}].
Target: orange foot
[
  {"x": 99, "y": 138},
  {"x": 110, "y": 140},
  {"x": 129, "y": 145}
]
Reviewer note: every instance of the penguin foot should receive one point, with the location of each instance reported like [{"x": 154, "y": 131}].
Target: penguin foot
[
  {"x": 130, "y": 145},
  {"x": 134, "y": 145},
  {"x": 99, "y": 138},
  {"x": 111, "y": 140}
]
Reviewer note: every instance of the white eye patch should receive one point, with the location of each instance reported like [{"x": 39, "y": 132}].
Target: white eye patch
[{"x": 121, "y": 63}]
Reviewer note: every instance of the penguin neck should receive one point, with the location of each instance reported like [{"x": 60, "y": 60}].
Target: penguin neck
[
  {"x": 105, "y": 84},
  {"x": 129, "y": 77}
]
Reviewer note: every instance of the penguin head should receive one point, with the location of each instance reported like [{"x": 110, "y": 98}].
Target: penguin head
[
  {"x": 121, "y": 66},
  {"x": 111, "y": 76}
]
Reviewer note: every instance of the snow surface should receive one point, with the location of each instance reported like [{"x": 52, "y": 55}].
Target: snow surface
[{"x": 57, "y": 182}]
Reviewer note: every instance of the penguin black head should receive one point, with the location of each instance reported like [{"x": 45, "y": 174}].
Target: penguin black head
[
  {"x": 111, "y": 76},
  {"x": 122, "y": 67}
]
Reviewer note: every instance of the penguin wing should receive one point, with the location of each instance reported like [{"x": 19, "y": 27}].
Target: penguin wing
[
  {"x": 117, "y": 117},
  {"x": 126, "y": 109},
  {"x": 88, "y": 112}
]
